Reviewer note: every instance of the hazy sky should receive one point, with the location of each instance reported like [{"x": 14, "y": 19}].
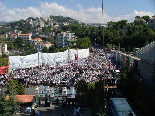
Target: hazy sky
[{"x": 88, "y": 11}]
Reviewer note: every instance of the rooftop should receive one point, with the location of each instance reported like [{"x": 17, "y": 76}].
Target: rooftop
[
  {"x": 122, "y": 106},
  {"x": 37, "y": 39},
  {"x": 22, "y": 98}
]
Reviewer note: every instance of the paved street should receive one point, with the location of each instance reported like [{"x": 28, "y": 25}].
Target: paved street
[{"x": 54, "y": 110}]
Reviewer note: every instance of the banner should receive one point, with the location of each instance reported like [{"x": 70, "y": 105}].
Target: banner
[{"x": 21, "y": 62}]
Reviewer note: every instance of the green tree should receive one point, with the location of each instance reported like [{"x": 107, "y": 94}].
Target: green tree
[
  {"x": 21, "y": 89},
  {"x": 83, "y": 43},
  {"x": 146, "y": 18},
  {"x": 4, "y": 110},
  {"x": 90, "y": 94},
  {"x": 45, "y": 50},
  {"x": 15, "y": 88},
  {"x": 12, "y": 88},
  {"x": 82, "y": 92}
]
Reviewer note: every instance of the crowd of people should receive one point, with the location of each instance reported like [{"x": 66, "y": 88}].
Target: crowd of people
[{"x": 91, "y": 69}]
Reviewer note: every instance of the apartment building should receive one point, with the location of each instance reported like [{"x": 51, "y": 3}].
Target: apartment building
[
  {"x": 41, "y": 45},
  {"x": 151, "y": 23},
  {"x": 25, "y": 37},
  {"x": 3, "y": 49},
  {"x": 36, "y": 41},
  {"x": 65, "y": 38}
]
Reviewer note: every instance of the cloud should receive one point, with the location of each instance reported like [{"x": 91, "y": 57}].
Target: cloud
[
  {"x": 2, "y": 6},
  {"x": 131, "y": 17},
  {"x": 142, "y": 13},
  {"x": 79, "y": 5},
  {"x": 89, "y": 15}
]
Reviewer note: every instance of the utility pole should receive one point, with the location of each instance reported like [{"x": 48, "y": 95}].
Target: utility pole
[{"x": 103, "y": 41}]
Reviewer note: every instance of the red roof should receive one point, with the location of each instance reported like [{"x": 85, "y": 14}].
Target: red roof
[
  {"x": 12, "y": 34},
  {"x": 22, "y": 98},
  {"x": 24, "y": 34},
  {"x": 152, "y": 17},
  {"x": 42, "y": 43},
  {"x": 37, "y": 39}
]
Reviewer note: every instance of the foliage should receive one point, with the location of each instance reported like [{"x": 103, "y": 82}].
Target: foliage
[
  {"x": 3, "y": 106},
  {"x": 91, "y": 95},
  {"x": 60, "y": 18},
  {"x": 15, "y": 88},
  {"x": 83, "y": 43},
  {"x": 3, "y": 61},
  {"x": 82, "y": 92},
  {"x": 45, "y": 50}
]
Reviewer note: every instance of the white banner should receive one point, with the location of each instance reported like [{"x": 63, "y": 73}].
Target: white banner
[{"x": 19, "y": 62}]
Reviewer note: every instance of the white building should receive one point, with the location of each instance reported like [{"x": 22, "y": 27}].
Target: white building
[
  {"x": 3, "y": 48},
  {"x": 36, "y": 41},
  {"x": 25, "y": 37},
  {"x": 41, "y": 45},
  {"x": 151, "y": 23},
  {"x": 65, "y": 38},
  {"x": 42, "y": 24}
]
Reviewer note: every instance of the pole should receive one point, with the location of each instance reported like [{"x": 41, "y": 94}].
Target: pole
[
  {"x": 68, "y": 55},
  {"x": 103, "y": 40},
  {"x": 8, "y": 65},
  {"x": 38, "y": 58}
]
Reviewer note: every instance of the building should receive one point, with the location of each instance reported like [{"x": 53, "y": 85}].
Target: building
[
  {"x": 3, "y": 48},
  {"x": 48, "y": 44},
  {"x": 151, "y": 23},
  {"x": 13, "y": 37},
  {"x": 120, "y": 107},
  {"x": 36, "y": 41},
  {"x": 41, "y": 45},
  {"x": 146, "y": 64},
  {"x": 1, "y": 36},
  {"x": 42, "y": 24},
  {"x": 65, "y": 38},
  {"x": 25, "y": 37}
]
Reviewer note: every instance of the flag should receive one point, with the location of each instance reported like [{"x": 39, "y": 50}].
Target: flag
[
  {"x": 76, "y": 54},
  {"x": 102, "y": 7}
]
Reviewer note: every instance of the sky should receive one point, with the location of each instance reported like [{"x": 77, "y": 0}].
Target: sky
[{"x": 87, "y": 11}]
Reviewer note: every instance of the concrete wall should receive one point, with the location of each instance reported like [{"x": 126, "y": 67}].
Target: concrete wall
[{"x": 146, "y": 71}]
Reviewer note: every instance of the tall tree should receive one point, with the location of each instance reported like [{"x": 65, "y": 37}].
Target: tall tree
[
  {"x": 12, "y": 100},
  {"x": 82, "y": 91},
  {"x": 146, "y": 18}
]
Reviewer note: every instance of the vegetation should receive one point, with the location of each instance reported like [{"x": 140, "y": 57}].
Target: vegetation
[
  {"x": 9, "y": 107},
  {"x": 15, "y": 88},
  {"x": 91, "y": 95},
  {"x": 135, "y": 34},
  {"x": 136, "y": 92},
  {"x": 5, "y": 109},
  {"x": 3, "y": 61}
]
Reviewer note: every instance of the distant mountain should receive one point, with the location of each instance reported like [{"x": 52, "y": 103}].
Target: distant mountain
[
  {"x": 3, "y": 22},
  {"x": 61, "y": 18},
  {"x": 96, "y": 24}
]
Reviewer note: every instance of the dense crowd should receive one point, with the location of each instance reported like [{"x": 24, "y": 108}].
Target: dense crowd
[{"x": 91, "y": 69}]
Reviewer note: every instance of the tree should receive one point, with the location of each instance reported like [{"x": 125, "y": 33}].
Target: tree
[
  {"x": 90, "y": 94},
  {"x": 21, "y": 89},
  {"x": 45, "y": 50},
  {"x": 146, "y": 18},
  {"x": 12, "y": 92},
  {"x": 83, "y": 43},
  {"x": 82, "y": 92},
  {"x": 4, "y": 111},
  {"x": 15, "y": 88}
]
